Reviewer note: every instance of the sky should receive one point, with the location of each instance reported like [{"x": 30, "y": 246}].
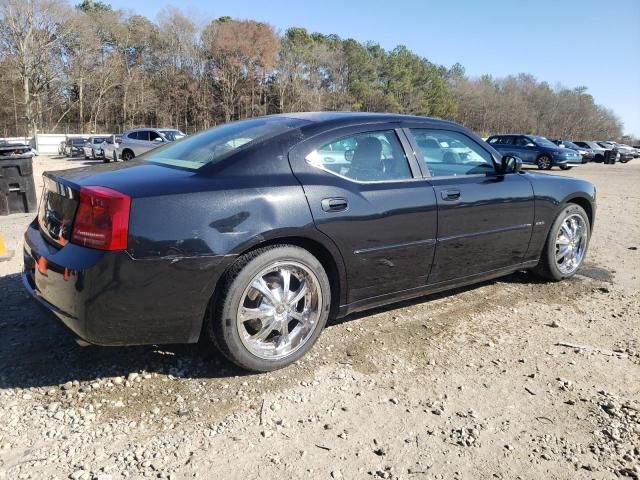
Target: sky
[{"x": 575, "y": 43}]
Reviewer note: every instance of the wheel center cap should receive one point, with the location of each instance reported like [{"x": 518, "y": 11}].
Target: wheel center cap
[{"x": 280, "y": 309}]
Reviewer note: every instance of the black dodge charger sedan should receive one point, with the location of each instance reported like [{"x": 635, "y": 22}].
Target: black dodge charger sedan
[{"x": 253, "y": 233}]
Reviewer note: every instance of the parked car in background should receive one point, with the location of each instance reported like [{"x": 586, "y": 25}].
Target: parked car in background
[
  {"x": 629, "y": 149},
  {"x": 599, "y": 152},
  {"x": 587, "y": 154},
  {"x": 136, "y": 142},
  {"x": 244, "y": 234},
  {"x": 93, "y": 147},
  {"x": 535, "y": 150},
  {"x": 626, "y": 154},
  {"x": 75, "y": 146},
  {"x": 110, "y": 148},
  {"x": 62, "y": 148}
]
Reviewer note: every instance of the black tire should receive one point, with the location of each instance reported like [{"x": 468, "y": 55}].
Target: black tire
[
  {"x": 544, "y": 162},
  {"x": 115, "y": 156},
  {"x": 105, "y": 160},
  {"x": 547, "y": 267},
  {"x": 127, "y": 155},
  {"x": 599, "y": 159},
  {"x": 221, "y": 326},
  {"x": 565, "y": 167}
]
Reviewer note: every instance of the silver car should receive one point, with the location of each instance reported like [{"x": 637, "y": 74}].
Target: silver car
[
  {"x": 110, "y": 148},
  {"x": 136, "y": 142}
]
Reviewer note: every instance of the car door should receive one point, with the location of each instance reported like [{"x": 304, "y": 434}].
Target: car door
[
  {"x": 141, "y": 143},
  {"x": 525, "y": 149},
  {"x": 369, "y": 198},
  {"x": 484, "y": 218},
  {"x": 155, "y": 140}
]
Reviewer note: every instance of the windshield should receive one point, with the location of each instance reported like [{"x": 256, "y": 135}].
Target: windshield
[
  {"x": 172, "y": 135},
  {"x": 99, "y": 140},
  {"x": 214, "y": 144},
  {"x": 78, "y": 141},
  {"x": 542, "y": 141},
  {"x": 570, "y": 145}
]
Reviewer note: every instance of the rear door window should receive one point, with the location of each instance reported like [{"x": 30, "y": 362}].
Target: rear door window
[
  {"x": 143, "y": 135},
  {"x": 364, "y": 157}
]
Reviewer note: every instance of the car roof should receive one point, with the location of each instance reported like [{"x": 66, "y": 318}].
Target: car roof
[{"x": 346, "y": 118}]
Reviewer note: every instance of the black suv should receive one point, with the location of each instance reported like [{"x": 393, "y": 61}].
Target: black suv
[{"x": 535, "y": 150}]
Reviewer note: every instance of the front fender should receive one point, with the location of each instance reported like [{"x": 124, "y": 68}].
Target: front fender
[{"x": 552, "y": 193}]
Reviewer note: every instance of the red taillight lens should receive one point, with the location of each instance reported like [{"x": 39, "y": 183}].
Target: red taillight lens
[{"x": 102, "y": 219}]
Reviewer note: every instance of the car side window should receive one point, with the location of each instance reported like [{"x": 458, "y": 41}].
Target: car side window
[
  {"x": 143, "y": 135},
  {"x": 132, "y": 136},
  {"x": 523, "y": 142},
  {"x": 500, "y": 140},
  {"x": 153, "y": 135},
  {"x": 448, "y": 153},
  {"x": 364, "y": 157}
]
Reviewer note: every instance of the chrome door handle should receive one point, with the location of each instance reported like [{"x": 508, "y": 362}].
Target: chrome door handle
[
  {"x": 335, "y": 204},
  {"x": 450, "y": 194}
]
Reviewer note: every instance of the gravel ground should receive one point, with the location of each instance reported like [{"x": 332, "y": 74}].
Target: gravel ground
[{"x": 514, "y": 378}]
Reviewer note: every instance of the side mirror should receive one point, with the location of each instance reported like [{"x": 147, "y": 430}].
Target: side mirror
[{"x": 510, "y": 164}]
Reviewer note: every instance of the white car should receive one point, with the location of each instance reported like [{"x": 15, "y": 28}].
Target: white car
[
  {"x": 93, "y": 147},
  {"x": 110, "y": 148},
  {"x": 140, "y": 140}
]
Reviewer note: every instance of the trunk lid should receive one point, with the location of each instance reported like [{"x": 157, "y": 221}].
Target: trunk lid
[{"x": 61, "y": 192}]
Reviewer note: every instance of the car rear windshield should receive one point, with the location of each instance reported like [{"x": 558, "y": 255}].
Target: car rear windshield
[{"x": 217, "y": 143}]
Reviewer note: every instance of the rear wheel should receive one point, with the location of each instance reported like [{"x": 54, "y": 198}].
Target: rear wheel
[
  {"x": 599, "y": 159},
  {"x": 566, "y": 244},
  {"x": 565, "y": 167},
  {"x": 127, "y": 155},
  {"x": 544, "y": 162},
  {"x": 115, "y": 156},
  {"x": 271, "y": 308}
]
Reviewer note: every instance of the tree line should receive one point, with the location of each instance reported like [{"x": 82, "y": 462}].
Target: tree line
[{"x": 91, "y": 68}]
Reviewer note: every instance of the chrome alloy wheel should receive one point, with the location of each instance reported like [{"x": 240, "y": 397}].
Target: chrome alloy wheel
[
  {"x": 571, "y": 243},
  {"x": 279, "y": 310}
]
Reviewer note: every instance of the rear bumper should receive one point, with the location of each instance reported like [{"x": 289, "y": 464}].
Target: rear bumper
[{"x": 109, "y": 298}]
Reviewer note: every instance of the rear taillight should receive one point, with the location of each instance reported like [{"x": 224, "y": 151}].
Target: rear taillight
[{"x": 102, "y": 219}]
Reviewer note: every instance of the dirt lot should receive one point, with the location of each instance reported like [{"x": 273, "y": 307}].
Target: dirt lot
[{"x": 514, "y": 378}]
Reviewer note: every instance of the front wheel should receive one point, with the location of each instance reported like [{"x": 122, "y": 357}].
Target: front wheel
[
  {"x": 127, "y": 155},
  {"x": 566, "y": 244},
  {"x": 271, "y": 308},
  {"x": 544, "y": 162}
]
